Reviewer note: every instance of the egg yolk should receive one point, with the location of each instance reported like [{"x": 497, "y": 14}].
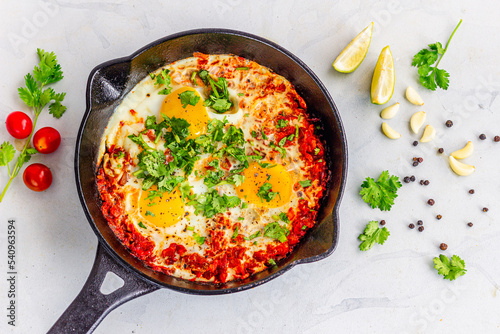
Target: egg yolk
[
  {"x": 256, "y": 176},
  {"x": 195, "y": 115},
  {"x": 161, "y": 211}
]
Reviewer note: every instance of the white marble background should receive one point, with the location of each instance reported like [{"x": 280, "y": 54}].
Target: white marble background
[{"x": 389, "y": 289}]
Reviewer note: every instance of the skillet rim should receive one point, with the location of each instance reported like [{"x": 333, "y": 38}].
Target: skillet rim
[{"x": 216, "y": 291}]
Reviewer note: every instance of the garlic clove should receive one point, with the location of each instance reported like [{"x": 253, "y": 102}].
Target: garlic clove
[
  {"x": 414, "y": 97},
  {"x": 417, "y": 120},
  {"x": 429, "y": 134},
  {"x": 460, "y": 168},
  {"x": 390, "y": 112},
  {"x": 465, "y": 152},
  {"x": 390, "y": 132}
]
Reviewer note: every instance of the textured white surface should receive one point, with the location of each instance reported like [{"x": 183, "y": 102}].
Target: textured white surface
[{"x": 389, "y": 289}]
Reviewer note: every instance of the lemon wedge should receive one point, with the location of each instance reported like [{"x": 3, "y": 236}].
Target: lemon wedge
[
  {"x": 383, "y": 78},
  {"x": 355, "y": 52}
]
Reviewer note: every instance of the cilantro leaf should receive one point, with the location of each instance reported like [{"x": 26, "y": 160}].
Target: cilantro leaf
[
  {"x": 449, "y": 269},
  {"x": 26, "y": 155},
  {"x": 211, "y": 203},
  {"x": 218, "y": 99},
  {"x": 56, "y": 109},
  {"x": 265, "y": 192},
  {"x": 380, "y": 193},
  {"x": 141, "y": 224},
  {"x": 253, "y": 236},
  {"x": 7, "y": 152},
  {"x": 188, "y": 97},
  {"x": 235, "y": 233},
  {"x": 373, "y": 234},
  {"x": 276, "y": 231},
  {"x": 164, "y": 79},
  {"x": 305, "y": 184},
  {"x": 198, "y": 238},
  {"x": 427, "y": 62}
]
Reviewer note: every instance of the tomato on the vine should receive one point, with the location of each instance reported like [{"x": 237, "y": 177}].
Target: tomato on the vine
[
  {"x": 37, "y": 177},
  {"x": 19, "y": 125},
  {"x": 46, "y": 140}
]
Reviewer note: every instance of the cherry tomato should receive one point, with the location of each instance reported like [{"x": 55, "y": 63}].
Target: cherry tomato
[
  {"x": 46, "y": 140},
  {"x": 19, "y": 125},
  {"x": 37, "y": 177}
]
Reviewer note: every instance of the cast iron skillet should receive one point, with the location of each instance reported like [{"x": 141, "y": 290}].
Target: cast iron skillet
[{"x": 107, "y": 85}]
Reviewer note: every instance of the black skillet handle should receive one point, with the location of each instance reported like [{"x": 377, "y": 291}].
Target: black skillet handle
[{"x": 91, "y": 306}]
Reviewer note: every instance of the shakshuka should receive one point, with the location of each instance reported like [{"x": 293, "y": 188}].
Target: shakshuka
[{"x": 210, "y": 169}]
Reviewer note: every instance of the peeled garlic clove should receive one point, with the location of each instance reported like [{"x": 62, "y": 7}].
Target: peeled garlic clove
[
  {"x": 464, "y": 152},
  {"x": 390, "y": 132},
  {"x": 390, "y": 112},
  {"x": 417, "y": 120},
  {"x": 413, "y": 97},
  {"x": 429, "y": 134},
  {"x": 460, "y": 168}
]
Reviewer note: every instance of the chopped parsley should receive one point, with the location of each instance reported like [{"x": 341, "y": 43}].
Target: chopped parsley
[
  {"x": 199, "y": 239},
  {"x": 190, "y": 228},
  {"x": 241, "y": 94},
  {"x": 276, "y": 231},
  {"x": 235, "y": 233},
  {"x": 163, "y": 79},
  {"x": 266, "y": 165},
  {"x": 266, "y": 193},
  {"x": 218, "y": 99},
  {"x": 316, "y": 151},
  {"x": 304, "y": 227},
  {"x": 188, "y": 97},
  {"x": 243, "y": 68},
  {"x": 211, "y": 203},
  {"x": 149, "y": 213},
  {"x": 283, "y": 216},
  {"x": 253, "y": 236},
  {"x": 241, "y": 218},
  {"x": 142, "y": 225},
  {"x": 281, "y": 123},
  {"x": 305, "y": 184},
  {"x": 271, "y": 262}
]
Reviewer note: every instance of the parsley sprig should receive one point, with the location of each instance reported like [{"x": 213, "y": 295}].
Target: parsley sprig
[
  {"x": 450, "y": 268},
  {"x": 218, "y": 99},
  {"x": 373, "y": 234},
  {"x": 431, "y": 76},
  {"x": 380, "y": 193},
  {"x": 35, "y": 95}
]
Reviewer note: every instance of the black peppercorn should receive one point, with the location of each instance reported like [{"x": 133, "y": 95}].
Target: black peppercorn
[
  {"x": 426, "y": 182},
  {"x": 441, "y": 150},
  {"x": 419, "y": 222},
  {"x": 496, "y": 139},
  {"x": 470, "y": 224},
  {"x": 412, "y": 178},
  {"x": 420, "y": 160},
  {"x": 482, "y": 136},
  {"x": 438, "y": 217},
  {"x": 485, "y": 209},
  {"x": 449, "y": 123},
  {"x": 431, "y": 202},
  {"x": 412, "y": 226},
  {"x": 421, "y": 228},
  {"x": 406, "y": 179},
  {"x": 415, "y": 163},
  {"x": 443, "y": 246},
  {"x": 471, "y": 191},
  {"x": 415, "y": 143},
  {"x": 421, "y": 182},
  {"x": 382, "y": 222}
]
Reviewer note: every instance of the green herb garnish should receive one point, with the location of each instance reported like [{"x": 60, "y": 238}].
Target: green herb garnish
[
  {"x": 373, "y": 234},
  {"x": 276, "y": 231},
  {"x": 305, "y": 183},
  {"x": 449, "y": 268},
  {"x": 430, "y": 76},
  {"x": 380, "y": 193},
  {"x": 188, "y": 97}
]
